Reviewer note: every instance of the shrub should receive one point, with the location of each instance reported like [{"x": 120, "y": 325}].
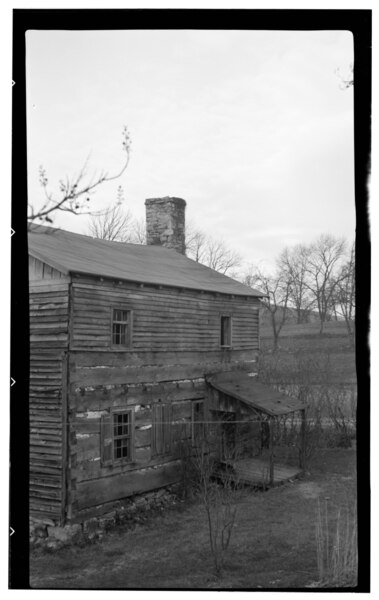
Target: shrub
[
  {"x": 219, "y": 493},
  {"x": 331, "y": 408}
]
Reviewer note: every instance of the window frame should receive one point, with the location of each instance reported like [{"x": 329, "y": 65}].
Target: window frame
[
  {"x": 129, "y": 327},
  {"x": 110, "y": 461},
  {"x": 230, "y": 330}
]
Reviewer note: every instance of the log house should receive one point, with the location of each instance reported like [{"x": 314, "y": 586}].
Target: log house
[{"x": 122, "y": 340}]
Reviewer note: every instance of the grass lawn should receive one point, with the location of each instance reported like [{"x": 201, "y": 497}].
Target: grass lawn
[
  {"x": 273, "y": 544},
  {"x": 331, "y": 328}
]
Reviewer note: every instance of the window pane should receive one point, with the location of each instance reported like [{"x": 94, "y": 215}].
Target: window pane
[
  {"x": 121, "y": 448},
  {"x": 117, "y": 449},
  {"x": 120, "y": 316},
  {"x": 119, "y": 334},
  {"x": 125, "y": 428},
  {"x": 125, "y": 449}
]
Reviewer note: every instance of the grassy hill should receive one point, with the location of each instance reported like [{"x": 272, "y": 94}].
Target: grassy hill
[{"x": 326, "y": 358}]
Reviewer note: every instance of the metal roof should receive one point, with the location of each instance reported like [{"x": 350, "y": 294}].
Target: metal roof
[
  {"x": 75, "y": 253},
  {"x": 251, "y": 392}
]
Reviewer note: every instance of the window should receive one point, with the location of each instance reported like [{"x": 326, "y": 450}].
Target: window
[
  {"x": 226, "y": 330},
  {"x": 121, "y": 327},
  {"x": 117, "y": 432},
  {"x": 121, "y": 435}
]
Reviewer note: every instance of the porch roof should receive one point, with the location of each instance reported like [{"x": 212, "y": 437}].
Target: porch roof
[{"x": 251, "y": 392}]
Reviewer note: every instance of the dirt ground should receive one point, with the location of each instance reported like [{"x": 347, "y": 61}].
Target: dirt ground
[{"x": 273, "y": 544}]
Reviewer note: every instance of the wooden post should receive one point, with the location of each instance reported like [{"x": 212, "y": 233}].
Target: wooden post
[
  {"x": 302, "y": 450},
  {"x": 271, "y": 450}
]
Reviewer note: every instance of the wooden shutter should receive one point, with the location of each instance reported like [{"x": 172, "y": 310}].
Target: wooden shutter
[
  {"x": 162, "y": 429},
  {"x": 106, "y": 440},
  {"x": 167, "y": 419}
]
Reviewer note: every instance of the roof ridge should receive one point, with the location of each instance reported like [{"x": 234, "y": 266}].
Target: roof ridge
[{"x": 80, "y": 253}]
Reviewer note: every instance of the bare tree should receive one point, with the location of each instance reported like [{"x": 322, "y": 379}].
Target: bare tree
[
  {"x": 221, "y": 258},
  {"x": 324, "y": 257},
  {"x": 74, "y": 193},
  {"x": 209, "y": 251},
  {"x": 277, "y": 288},
  {"x": 196, "y": 243},
  {"x": 118, "y": 225},
  {"x": 114, "y": 224},
  {"x": 344, "y": 294},
  {"x": 292, "y": 263},
  {"x": 138, "y": 231}
]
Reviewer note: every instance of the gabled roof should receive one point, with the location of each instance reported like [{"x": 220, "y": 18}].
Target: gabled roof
[
  {"x": 259, "y": 396},
  {"x": 75, "y": 253}
]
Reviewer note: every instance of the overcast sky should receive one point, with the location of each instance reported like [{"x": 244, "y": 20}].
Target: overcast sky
[{"x": 251, "y": 128}]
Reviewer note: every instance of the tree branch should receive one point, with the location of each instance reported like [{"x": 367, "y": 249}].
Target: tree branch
[{"x": 75, "y": 193}]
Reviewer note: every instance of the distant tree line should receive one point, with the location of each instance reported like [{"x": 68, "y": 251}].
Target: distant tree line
[{"x": 315, "y": 278}]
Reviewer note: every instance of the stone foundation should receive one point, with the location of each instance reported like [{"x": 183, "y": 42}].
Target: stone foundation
[{"x": 130, "y": 511}]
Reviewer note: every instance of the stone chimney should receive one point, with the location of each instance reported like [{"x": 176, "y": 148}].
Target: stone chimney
[{"x": 165, "y": 223}]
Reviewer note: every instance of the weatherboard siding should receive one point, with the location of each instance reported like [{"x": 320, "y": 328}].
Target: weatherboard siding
[
  {"x": 175, "y": 342},
  {"x": 40, "y": 270},
  {"x": 163, "y": 319},
  {"x": 47, "y": 401}
]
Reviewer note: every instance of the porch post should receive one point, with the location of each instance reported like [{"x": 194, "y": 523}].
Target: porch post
[
  {"x": 302, "y": 449},
  {"x": 271, "y": 450}
]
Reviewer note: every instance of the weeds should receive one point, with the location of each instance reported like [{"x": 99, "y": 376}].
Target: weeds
[{"x": 337, "y": 550}]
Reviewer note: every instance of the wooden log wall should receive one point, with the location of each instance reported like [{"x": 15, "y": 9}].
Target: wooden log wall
[
  {"x": 48, "y": 379},
  {"x": 175, "y": 342}
]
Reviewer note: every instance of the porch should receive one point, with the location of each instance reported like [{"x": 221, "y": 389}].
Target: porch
[
  {"x": 242, "y": 405},
  {"x": 256, "y": 472}
]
